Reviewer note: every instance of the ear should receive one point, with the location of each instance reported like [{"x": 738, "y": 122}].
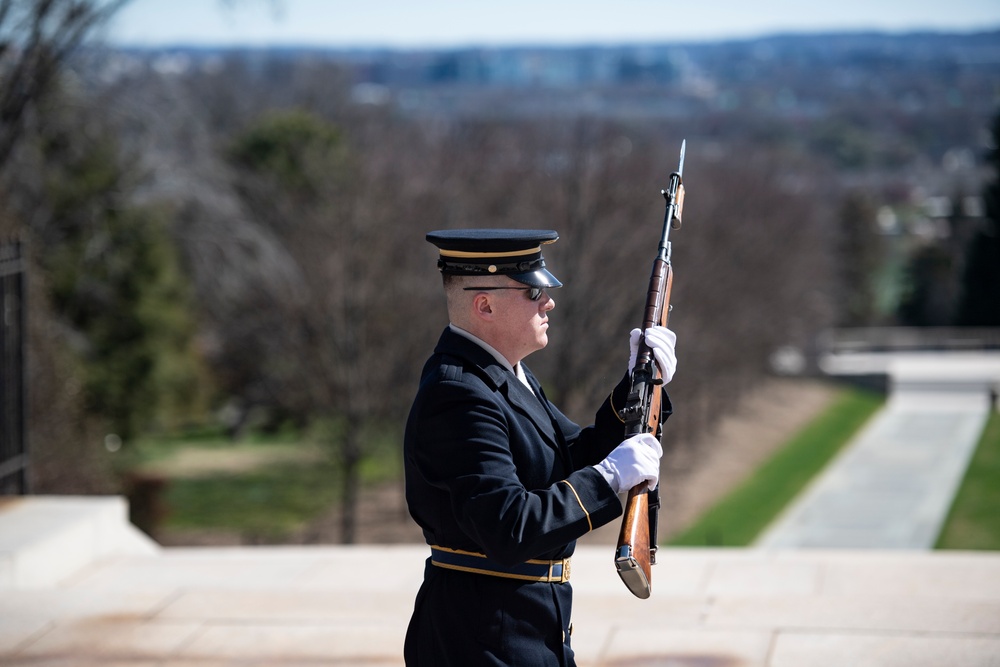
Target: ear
[{"x": 482, "y": 306}]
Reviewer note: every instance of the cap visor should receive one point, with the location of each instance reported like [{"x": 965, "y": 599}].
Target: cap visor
[{"x": 538, "y": 278}]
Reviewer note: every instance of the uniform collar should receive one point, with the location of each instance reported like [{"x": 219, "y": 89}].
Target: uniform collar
[{"x": 518, "y": 370}]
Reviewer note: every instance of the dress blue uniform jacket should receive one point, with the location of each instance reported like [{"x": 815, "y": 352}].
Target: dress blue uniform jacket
[{"x": 494, "y": 469}]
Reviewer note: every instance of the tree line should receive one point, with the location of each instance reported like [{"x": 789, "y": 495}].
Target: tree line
[{"x": 245, "y": 235}]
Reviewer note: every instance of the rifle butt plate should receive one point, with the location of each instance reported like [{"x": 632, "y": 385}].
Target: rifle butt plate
[{"x": 631, "y": 573}]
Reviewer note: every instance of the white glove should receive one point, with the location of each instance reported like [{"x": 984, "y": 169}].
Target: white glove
[
  {"x": 635, "y": 460},
  {"x": 661, "y": 341}
]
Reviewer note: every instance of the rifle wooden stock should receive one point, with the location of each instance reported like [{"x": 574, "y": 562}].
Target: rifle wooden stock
[
  {"x": 636, "y": 551},
  {"x": 635, "y": 560}
]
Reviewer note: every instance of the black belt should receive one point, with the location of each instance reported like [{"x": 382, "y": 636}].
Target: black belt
[{"x": 549, "y": 571}]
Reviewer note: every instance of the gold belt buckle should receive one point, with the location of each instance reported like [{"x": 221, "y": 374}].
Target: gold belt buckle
[{"x": 565, "y": 571}]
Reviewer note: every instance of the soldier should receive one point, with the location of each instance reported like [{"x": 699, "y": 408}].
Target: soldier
[{"x": 501, "y": 482}]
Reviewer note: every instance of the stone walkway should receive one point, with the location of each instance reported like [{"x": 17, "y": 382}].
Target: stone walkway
[
  {"x": 308, "y": 606},
  {"x": 79, "y": 588}
]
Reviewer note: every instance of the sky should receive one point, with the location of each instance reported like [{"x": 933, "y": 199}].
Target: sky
[{"x": 457, "y": 23}]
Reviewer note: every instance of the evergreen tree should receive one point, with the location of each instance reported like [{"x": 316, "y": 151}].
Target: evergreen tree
[
  {"x": 860, "y": 255},
  {"x": 980, "y": 303},
  {"x": 113, "y": 278}
]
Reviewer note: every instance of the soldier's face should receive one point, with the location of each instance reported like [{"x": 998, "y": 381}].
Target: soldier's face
[{"x": 525, "y": 322}]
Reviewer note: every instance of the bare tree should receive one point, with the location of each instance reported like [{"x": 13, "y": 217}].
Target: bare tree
[
  {"x": 337, "y": 351},
  {"x": 36, "y": 38},
  {"x": 600, "y": 189}
]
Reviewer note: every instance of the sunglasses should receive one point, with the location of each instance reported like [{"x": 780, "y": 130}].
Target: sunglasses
[{"x": 534, "y": 293}]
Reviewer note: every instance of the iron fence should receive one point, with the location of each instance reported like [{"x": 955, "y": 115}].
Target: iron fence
[{"x": 13, "y": 318}]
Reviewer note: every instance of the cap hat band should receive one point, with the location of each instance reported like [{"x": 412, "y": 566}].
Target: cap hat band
[
  {"x": 508, "y": 267},
  {"x": 488, "y": 255}
]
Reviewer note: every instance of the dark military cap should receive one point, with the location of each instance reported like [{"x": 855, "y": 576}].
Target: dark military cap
[{"x": 496, "y": 252}]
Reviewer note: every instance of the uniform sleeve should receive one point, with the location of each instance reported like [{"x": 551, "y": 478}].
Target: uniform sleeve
[
  {"x": 464, "y": 449},
  {"x": 589, "y": 446}
]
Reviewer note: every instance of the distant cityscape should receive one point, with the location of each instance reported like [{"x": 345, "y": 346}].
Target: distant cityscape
[{"x": 785, "y": 76}]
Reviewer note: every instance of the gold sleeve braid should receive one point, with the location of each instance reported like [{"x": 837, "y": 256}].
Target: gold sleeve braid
[
  {"x": 611, "y": 402},
  {"x": 590, "y": 525}
]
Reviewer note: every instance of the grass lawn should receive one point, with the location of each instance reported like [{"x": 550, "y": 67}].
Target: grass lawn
[
  {"x": 262, "y": 488},
  {"x": 262, "y": 505},
  {"x": 738, "y": 518},
  {"x": 974, "y": 519}
]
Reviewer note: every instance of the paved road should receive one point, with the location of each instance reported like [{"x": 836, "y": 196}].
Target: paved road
[{"x": 892, "y": 487}]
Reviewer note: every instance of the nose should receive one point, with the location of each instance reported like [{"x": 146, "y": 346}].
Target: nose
[{"x": 548, "y": 302}]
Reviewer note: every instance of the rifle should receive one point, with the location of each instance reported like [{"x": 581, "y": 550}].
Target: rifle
[{"x": 636, "y": 551}]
